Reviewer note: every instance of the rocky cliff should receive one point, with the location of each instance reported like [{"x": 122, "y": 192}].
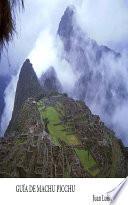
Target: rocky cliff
[{"x": 28, "y": 86}]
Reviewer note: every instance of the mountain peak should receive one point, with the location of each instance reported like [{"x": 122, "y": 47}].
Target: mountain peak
[
  {"x": 65, "y": 30},
  {"x": 70, "y": 10},
  {"x": 26, "y": 65},
  {"x": 49, "y": 81},
  {"x": 28, "y": 86}
]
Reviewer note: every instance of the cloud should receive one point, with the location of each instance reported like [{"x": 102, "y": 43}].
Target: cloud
[
  {"x": 9, "y": 103},
  {"x": 44, "y": 53},
  {"x": 120, "y": 122},
  {"x": 47, "y": 52},
  {"x": 105, "y": 21},
  {"x": 99, "y": 19}
]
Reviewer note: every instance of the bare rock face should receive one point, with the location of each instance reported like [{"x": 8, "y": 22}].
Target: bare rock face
[{"x": 28, "y": 86}]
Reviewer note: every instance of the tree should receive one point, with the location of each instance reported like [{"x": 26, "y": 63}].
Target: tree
[{"x": 7, "y": 19}]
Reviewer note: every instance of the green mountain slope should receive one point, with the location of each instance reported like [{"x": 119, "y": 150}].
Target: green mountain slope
[
  {"x": 52, "y": 135},
  {"x": 58, "y": 137}
]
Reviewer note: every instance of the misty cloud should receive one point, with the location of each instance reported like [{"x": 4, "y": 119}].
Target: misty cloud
[
  {"x": 9, "y": 99},
  {"x": 44, "y": 53},
  {"x": 105, "y": 21}
]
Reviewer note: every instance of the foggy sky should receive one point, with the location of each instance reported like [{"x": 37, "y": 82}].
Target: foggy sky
[{"x": 104, "y": 20}]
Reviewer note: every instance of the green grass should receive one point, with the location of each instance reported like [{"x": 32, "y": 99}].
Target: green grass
[
  {"x": 87, "y": 161},
  {"x": 56, "y": 131}
]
